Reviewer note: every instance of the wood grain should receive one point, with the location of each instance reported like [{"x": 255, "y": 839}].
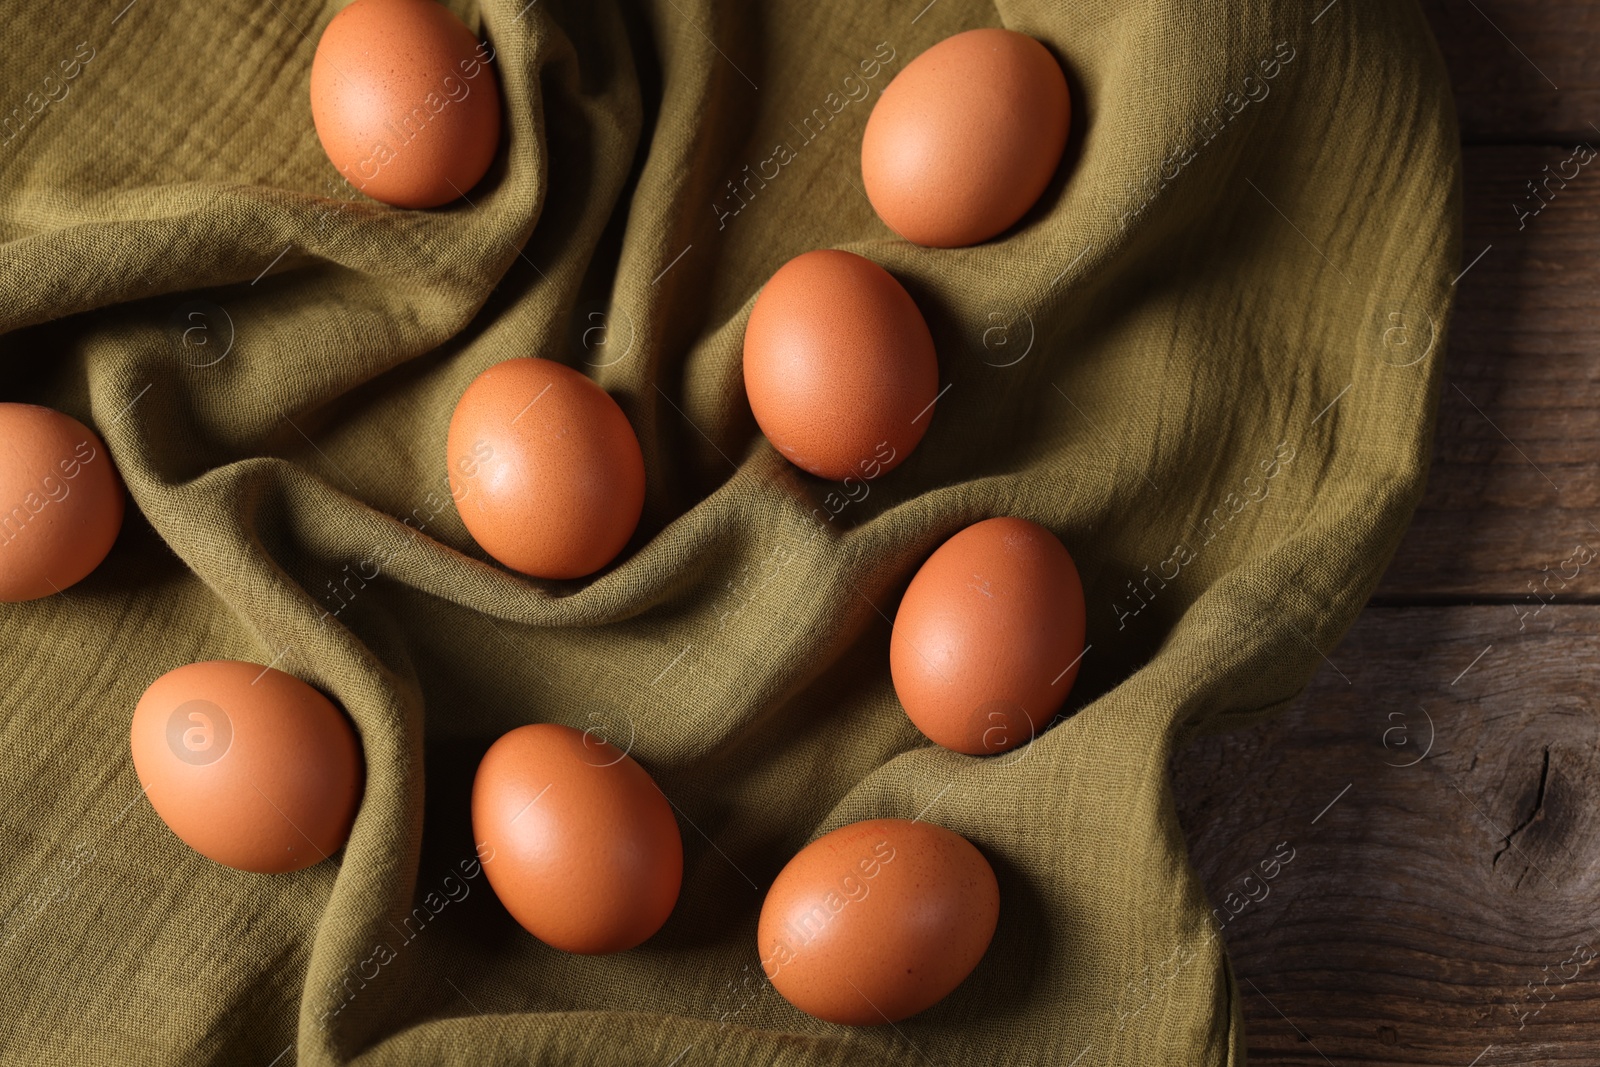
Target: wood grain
[
  {"x": 1523, "y": 70},
  {"x": 1441, "y": 904},
  {"x": 1434, "y": 785},
  {"x": 1514, "y": 487}
]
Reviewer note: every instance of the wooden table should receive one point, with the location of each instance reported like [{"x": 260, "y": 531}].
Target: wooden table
[{"x": 1443, "y": 903}]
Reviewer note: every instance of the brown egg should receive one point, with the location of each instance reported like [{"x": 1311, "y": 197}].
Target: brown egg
[
  {"x": 405, "y": 101},
  {"x": 249, "y": 766},
  {"x": 966, "y": 137},
  {"x": 877, "y": 921},
  {"x": 839, "y": 366},
  {"x": 61, "y": 501},
  {"x": 545, "y": 469},
  {"x": 988, "y": 636},
  {"x": 578, "y": 842}
]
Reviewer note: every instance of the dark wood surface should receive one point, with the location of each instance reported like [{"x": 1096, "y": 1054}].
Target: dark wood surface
[
  {"x": 1512, "y": 489},
  {"x": 1436, "y": 906},
  {"x": 1523, "y": 70},
  {"x": 1443, "y": 905}
]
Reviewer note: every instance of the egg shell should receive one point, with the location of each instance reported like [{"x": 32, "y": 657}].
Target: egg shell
[
  {"x": 877, "y": 921},
  {"x": 545, "y": 469},
  {"x": 988, "y": 636},
  {"x": 405, "y": 102},
  {"x": 839, "y": 366},
  {"x": 61, "y": 502},
  {"x": 249, "y": 766},
  {"x": 578, "y": 841},
  {"x": 964, "y": 139}
]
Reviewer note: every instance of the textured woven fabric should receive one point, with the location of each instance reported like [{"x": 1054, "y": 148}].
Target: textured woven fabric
[{"x": 1207, "y": 361}]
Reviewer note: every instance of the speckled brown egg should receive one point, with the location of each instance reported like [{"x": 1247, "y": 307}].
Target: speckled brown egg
[
  {"x": 988, "y": 637},
  {"x": 61, "y": 501},
  {"x": 405, "y": 101},
  {"x": 545, "y": 469},
  {"x": 966, "y": 137},
  {"x": 839, "y": 366},
  {"x": 877, "y": 921},
  {"x": 249, "y": 766},
  {"x": 579, "y": 843}
]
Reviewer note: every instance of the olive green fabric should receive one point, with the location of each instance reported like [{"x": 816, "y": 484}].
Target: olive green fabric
[{"x": 1207, "y": 360}]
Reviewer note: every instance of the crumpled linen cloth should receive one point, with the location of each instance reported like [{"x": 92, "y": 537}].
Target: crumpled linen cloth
[{"x": 1207, "y": 360}]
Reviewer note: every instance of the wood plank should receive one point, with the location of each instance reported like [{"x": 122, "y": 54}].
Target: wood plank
[
  {"x": 1522, "y": 69},
  {"x": 1514, "y": 486},
  {"x": 1442, "y": 910},
  {"x": 1440, "y": 906}
]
